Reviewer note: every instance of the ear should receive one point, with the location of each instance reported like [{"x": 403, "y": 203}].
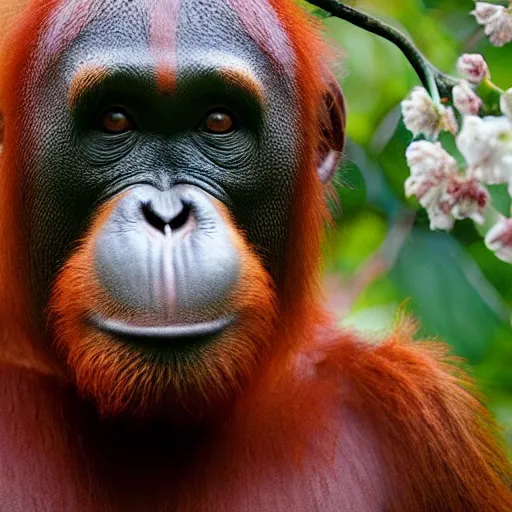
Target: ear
[{"x": 333, "y": 120}]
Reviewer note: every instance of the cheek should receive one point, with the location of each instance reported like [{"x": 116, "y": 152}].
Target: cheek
[{"x": 76, "y": 291}]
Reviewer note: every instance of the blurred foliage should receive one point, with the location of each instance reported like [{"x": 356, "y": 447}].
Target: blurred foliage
[{"x": 457, "y": 289}]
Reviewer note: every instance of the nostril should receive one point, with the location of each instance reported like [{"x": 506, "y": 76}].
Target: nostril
[
  {"x": 152, "y": 217},
  {"x": 181, "y": 219},
  {"x": 164, "y": 223}
]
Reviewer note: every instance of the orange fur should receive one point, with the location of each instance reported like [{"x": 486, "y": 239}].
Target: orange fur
[
  {"x": 15, "y": 301},
  {"x": 246, "y": 81},
  {"x": 326, "y": 419},
  {"x": 439, "y": 443},
  {"x": 9, "y": 10},
  {"x": 299, "y": 292},
  {"x": 85, "y": 79}
]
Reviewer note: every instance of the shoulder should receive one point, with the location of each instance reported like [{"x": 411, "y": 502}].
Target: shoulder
[{"x": 437, "y": 441}]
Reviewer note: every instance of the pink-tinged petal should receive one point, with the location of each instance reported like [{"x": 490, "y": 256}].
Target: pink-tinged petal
[
  {"x": 465, "y": 99},
  {"x": 467, "y": 197},
  {"x": 419, "y": 113},
  {"x": 424, "y": 157},
  {"x": 485, "y": 12},
  {"x": 499, "y": 239}
]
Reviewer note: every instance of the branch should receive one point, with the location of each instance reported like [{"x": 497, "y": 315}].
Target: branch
[{"x": 435, "y": 81}]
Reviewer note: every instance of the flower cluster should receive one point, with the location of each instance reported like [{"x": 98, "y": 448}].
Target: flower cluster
[
  {"x": 497, "y": 20},
  {"x": 449, "y": 192},
  {"x": 446, "y": 194}
]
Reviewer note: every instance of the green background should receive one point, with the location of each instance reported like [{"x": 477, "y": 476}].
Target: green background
[{"x": 457, "y": 289}]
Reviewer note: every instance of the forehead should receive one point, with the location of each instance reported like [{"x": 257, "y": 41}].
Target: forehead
[{"x": 169, "y": 34}]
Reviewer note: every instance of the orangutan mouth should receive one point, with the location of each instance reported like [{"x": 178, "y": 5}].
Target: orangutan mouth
[{"x": 124, "y": 330}]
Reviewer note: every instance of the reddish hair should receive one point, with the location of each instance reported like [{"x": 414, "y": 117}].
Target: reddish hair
[
  {"x": 438, "y": 441},
  {"x": 22, "y": 342},
  {"x": 434, "y": 438}
]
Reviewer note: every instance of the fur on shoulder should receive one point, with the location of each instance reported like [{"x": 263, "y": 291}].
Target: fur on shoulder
[{"x": 442, "y": 448}]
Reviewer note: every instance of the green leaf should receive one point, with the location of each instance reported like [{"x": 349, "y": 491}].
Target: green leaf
[
  {"x": 500, "y": 198},
  {"x": 449, "y": 293}
]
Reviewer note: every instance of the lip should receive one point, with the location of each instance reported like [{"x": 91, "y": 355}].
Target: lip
[{"x": 161, "y": 332}]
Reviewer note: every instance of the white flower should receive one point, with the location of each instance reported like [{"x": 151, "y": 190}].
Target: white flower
[
  {"x": 506, "y": 103},
  {"x": 465, "y": 99},
  {"x": 473, "y": 68},
  {"x": 422, "y": 116},
  {"x": 497, "y": 21},
  {"x": 431, "y": 166},
  {"x": 486, "y": 144},
  {"x": 429, "y": 159},
  {"x": 440, "y": 189},
  {"x": 499, "y": 239}
]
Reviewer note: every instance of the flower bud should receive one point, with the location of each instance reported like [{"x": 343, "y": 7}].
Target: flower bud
[
  {"x": 465, "y": 99},
  {"x": 497, "y": 21},
  {"x": 473, "y": 68}
]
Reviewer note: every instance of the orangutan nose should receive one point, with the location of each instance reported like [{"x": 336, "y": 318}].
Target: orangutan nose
[{"x": 167, "y": 215}]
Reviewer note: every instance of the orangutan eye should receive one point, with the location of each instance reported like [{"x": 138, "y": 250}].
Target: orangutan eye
[
  {"x": 218, "y": 122},
  {"x": 116, "y": 121}
]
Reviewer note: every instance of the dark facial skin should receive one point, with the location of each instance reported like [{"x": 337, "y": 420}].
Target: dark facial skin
[{"x": 166, "y": 166}]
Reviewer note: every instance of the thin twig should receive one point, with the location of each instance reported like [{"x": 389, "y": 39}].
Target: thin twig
[{"x": 435, "y": 81}]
